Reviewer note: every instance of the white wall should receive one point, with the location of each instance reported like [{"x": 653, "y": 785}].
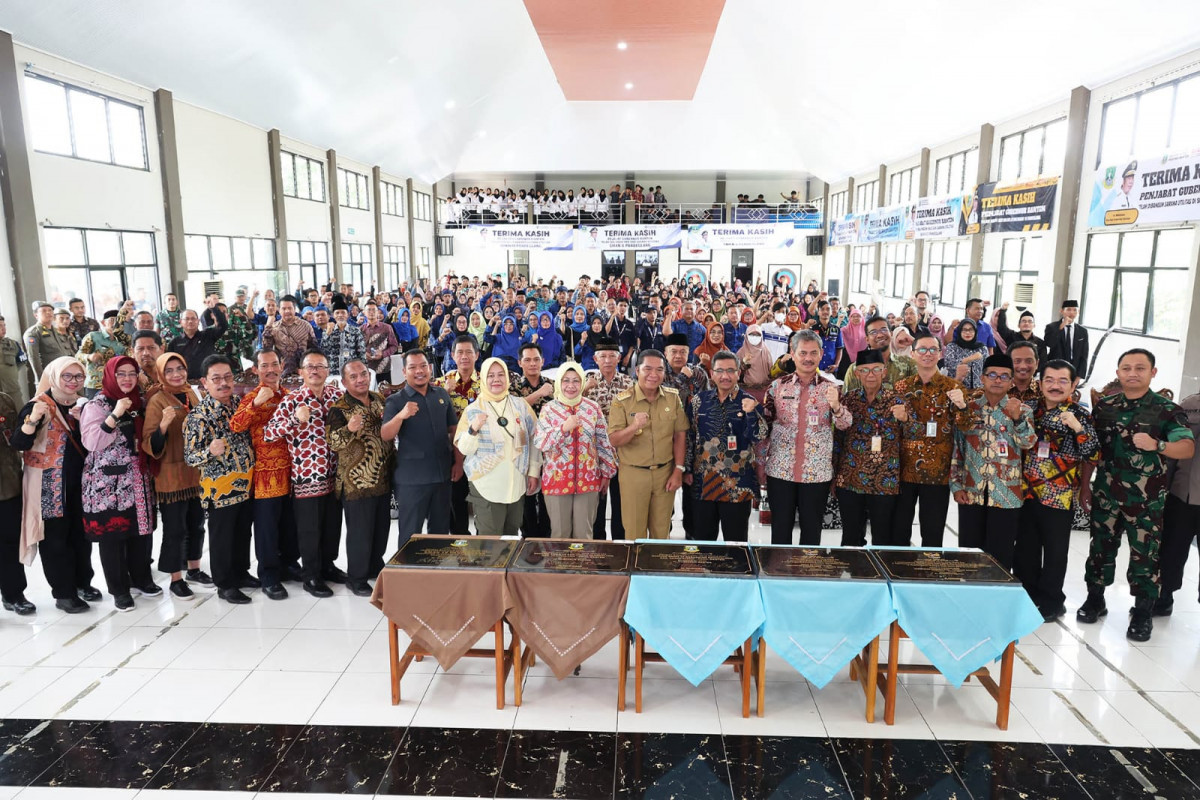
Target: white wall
[{"x": 307, "y": 220}]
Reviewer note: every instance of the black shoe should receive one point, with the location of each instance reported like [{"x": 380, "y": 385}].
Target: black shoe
[
  {"x": 275, "y": 591},
  {"x": 360, "y": 588},
  {"x": 1093, "y": 608},
  {"x": 198, "y": 576},
  {"x": 71, "y": 605},
  {"x": 1051, "y": 614},
  {"x": 1163, "y": 606},
  {"x": 317, "y": 589},
  {"x": 181, "y": 591},
  {"x": 234, "y": 596},
  {"x": 149, "y": 590},
  {"x": 334, "y": 575},
  {"x": 123, "y": 602},
  {"x": 249, "y": 582},
  {"x": 1141, "y": 621},
  {"x": 293, "y": 574},
  {"x": 20, "y": 606},
  {"x": 89, "y": 593}
]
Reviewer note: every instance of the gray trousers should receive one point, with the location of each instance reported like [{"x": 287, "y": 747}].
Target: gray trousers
[
  {"x": 496, "y": 519},
  {"x": 572, "y": 515}
]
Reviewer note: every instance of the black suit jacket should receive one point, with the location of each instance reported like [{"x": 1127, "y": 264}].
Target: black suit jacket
[{"x": 1056, "y": 344}]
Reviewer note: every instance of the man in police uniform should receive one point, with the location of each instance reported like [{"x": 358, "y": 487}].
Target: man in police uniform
[
  {"x": 12, "y": 366},
  {"x": 44, "y": 342},
  {"x": 1139, "y": 430},
  {"x": 648, "y": 427}
]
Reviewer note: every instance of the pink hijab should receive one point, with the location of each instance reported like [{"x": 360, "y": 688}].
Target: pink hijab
[{"x": 854, "y": 335}]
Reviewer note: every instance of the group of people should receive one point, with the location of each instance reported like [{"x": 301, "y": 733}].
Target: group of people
[
  {"x": 477, "y": 205},
  {"x": 727, "y": 394}
]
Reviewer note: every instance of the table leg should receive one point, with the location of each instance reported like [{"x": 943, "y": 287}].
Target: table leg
[
  {"x": 639, "y": 653},
  {"x": 623, "y": 656},
  {"x": 394, "y": 661},
  {"x": 518, "y": 665},
  {"x": 1003, "y": 701},
  {"x": 889, "y": 696},
  {"x": 746, "y": 656},
  {"x": 501, "y": 672},
  {"x": 872, "y": 669},
  {"x": 761, "y": 676}
]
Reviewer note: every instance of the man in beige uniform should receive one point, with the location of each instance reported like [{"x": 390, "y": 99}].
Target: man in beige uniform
[{"x": 648, "y": 426}]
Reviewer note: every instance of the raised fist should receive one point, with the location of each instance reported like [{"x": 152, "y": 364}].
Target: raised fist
[
  {"x": 263, "y": 395},
  {"x": 168, "y": 416},
  {"x": 1071, "y": 421},
  {"x": 217, "y": 448},
  {"x": 749, "y": 404},
  {"x": 355, "y": 424},
  {"x": 900, "y": 412},
  {"x": 956, "y": 396},
  {"x": 121, "y": 407},
  {"x": 303, "y": 414}
]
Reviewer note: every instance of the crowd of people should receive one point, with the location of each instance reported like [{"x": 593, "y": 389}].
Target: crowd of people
[
  {"x": 490, "y": 205},
  {"x": 576, "y": 411}
]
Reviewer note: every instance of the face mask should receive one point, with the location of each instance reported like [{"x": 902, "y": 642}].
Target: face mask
[
  {"x": 779, "y": 318},
  {"x": 754, "y": 338}
]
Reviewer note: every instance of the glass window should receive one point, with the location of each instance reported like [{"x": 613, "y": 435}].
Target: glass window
[
  {"x": 264, "y": 254},
  {"x": 64, "y": 246},
  {"x": 90, "y": 125},
  {"x": 1054, "y": 149},
  {"x": 196, "y": 250},
  {"x": 1010, "y": 156},
  {"x": 1132, "y": 292},
  {"x": 1161, "y": 118},
  {"x": 103, "y": 247},
  {"x": 1136, "y": 249},
  {"x": 1118, "y": 130},
  {"x": 47, "y": 107},
  {"x": 138, "y": 248},
  {"x": 1147, "y": 293},
  {"x": 67, "y": 120},
  {"x": 1153, "y": 121},
  {"x": 63, "y": 284},
  {"x": 1187, "y": 114},
  {"x": 222, "y": 255},
  {"x": 94, "y": 265},
  {"x": 353, "y": 187},
  {"x": 241, "y": 254},
  {"x": 128, "y": 144},
  {"x": 287, "y": 169},
  {"x": 1174, "y": 248},
  {"x": 1102, "y": 249},
  {"x": 1097, "y": 297},
  {"x": 1168, "y": 305},
  {"x": 1037, "y": 151}
]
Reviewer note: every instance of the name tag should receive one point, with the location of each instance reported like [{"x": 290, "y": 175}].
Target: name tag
[
  {"x": 731, "y": 442},
  {"x": 813, "y": 416},
  {"x": 931, "y": 429},
  {"x": 1002, "y": 448},
  {"x": 876, "y": 444},
  {"x": 1043, "y": 450}
]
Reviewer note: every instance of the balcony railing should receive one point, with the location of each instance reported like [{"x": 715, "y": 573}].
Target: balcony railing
[{"x": 458, "y": 215}]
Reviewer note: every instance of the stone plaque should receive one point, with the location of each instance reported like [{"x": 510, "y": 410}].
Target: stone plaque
[
  {"x": 450, "y": 552},
  {"x": 943, "y": 566},
  {"x": 574, "y": 556},
  {"x": 688, "y": 558},
  {"x": 822, "y": 563}
]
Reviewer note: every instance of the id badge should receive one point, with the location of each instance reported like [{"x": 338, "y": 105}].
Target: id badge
[
  {"x": 731, "y": 442},
  {"x": 876, "y": 444},
  {"x": 813, "y": 417},
  {"x": 931, "y": 429},
  {"x": 1002, "y": 448},
  {"x": 1043, "y": 450}
]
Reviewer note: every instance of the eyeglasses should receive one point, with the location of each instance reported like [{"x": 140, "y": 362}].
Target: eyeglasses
[
  {"x": 126, "y": 374},
  {"x": 879, "y": 332},
  {"x": 315, "y": 368},
  {"x": 73, "y": 377},
  {"x": 997, "y": 376},
  {"x": 1056, "y": 381},
  {"x": 870, "y": 370},
  {"x": 219, "y": 379},
  {"x": 926, "y": 350},
  {"x": 724, "y": 371}
]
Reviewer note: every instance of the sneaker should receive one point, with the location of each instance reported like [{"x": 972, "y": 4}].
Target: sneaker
[
  {"x": 71, "y": 605},
  {"x": 199, "y": 576},
  {"x": 149, "y": 590},
  {"x": 90, "y": 594},
  {"x": 181, "y": 591},
  {"x": 123, "y": 602}
]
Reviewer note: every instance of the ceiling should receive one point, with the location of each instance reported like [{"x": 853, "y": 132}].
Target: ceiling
[{"x": 430, "y": 89}]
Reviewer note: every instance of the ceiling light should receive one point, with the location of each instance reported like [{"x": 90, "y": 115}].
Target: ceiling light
[
  {"x": 449, "y": 105},
  {"x": 629, "y": 86},
  {"x": 621, "y": 45}
]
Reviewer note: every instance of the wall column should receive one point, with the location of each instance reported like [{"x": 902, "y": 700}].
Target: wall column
[
  {"x": 377, "y": 204},
  {"x": 277, "y": 201},
  {"x": 1068, "y": 193},
  {"x": 335, "y": 218},
  {"x": 168, "y": 151},
  {"x": 880, "y": 200},
  {"x": 433, "y": 199},
  {"x": 918, "y": 275},
  {"x": 987, "y": 133},
  {"x": 411, "y": 261},
  {"x": 848, "y": 258},
  {"x": 824, "y": 236}
]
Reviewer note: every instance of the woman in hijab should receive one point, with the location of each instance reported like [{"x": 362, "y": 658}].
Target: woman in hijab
[
  {"x": 505, "y": 340},
  {"x": 495, "y": 435},
  {"x": 477, "y": 327},
  {"x": 419, "y": 322},
  {"x": 714, "y": 342},
  {"x": 902, "y": 342},
  {"x": 444, "y": 347},
  {"x": 755, "y": 361},
  {"x": 579, "y": 460},
  {"x": 854, "y": 339},
  {"x": 546, "y": 336},
  {"x": 794, "y": 320},
  {"x": 438, "y": 319},
  {"x": 585, "y": 353},
  {"x": 406, "y": 332},
  {"x": 52, "y": 515},
  {"x": 938, "y": 328},
  {"x": 573, "y": 335},
  {"x": 963, "y": 358},
  {"x": 118, "y": 495},
  {"x": 176, "y": 485}
]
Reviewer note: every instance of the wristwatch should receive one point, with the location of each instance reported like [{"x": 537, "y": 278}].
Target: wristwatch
[
  {"x": 681, "y": 468},
  {"x": 1161, "y": 446}
]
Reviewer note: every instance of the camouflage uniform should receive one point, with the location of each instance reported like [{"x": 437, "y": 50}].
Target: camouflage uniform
[
  {"x": 242, "y": 331},
  {"x": 1130, "y": 490}
]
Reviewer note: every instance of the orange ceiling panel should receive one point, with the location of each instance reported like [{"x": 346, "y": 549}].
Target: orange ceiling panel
[{"x": 667, "y": 44}]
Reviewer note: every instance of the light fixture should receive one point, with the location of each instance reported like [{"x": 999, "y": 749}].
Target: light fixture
[
  {"x": 622, "y": 46},
  {"x": 449, "y": 105},
  {"x": 629, "y": 86}
]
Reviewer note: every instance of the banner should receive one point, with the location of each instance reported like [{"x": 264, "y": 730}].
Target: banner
[
  {"x": 1020, "y": 207},
  {"x": 728, "y": 237},
  {"x": 885, "y": 225},
  {"x": 525, "y": 237},
  {"x": 628, "y": 237},
  {"x": 844, "y": 231},
  {"x": 939, "y": 217},
  {"x": 1147, "y": 191}
]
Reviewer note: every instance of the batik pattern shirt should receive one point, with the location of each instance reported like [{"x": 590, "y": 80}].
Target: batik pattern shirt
[
  {"x": 272, "y": 462},
  {"x": 800, "y": 447},
  {"x": 342, "y": 345},
  {"x": 1053, "y": 478},
  {"x": 687, "y": 385},
  {"x": 575, "y": 462},
  {"x": 519, "y": 386},
  {"x": 290, "y": 338},
  {"x": 987, "y": 454},
  {"x": 464, "y": 392},
  {"x": 861, "y": 468},
  {"x": 79, "y": 328},
  {"x": 364, "y": 458},
  {"x": 225, "y": 480},
  {"x": 314, "y": 462},
  {"x": 720, "y": 473},
  {"x": 379, "y": 340},
  {"x": 606, "y": 390},
  {"x": 1031, "y": 396},
  {"x": 926, "y": 459}
]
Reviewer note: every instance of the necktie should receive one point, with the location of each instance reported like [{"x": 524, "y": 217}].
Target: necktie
[{"x": 1070, "y": 343}]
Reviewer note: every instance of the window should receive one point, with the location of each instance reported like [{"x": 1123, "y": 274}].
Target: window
[
  {"x": 221, "y": 253},
  {"x": 1137, "y": 281},
  {"x": 303, "y": 177},
  {"x": 862, "y": 268},
  {"x": 355, "y": 190},
  {"x": 357, "y": 267},
  {"x": 395, "y": 265},
  {"x": 903, "y": 186},
  {"x": 445, "y": 245},
  {"x": 393, "y": 198},
  {"x": 898, "y": 262},
  {"x": 956, "y": 173},
  {"x": 1016, "y": 257},
  {"x": 422, "y": 206},
  {"x": 308, "y": 263},
  {"x": 1165, "y": 117},
  {"x": 947, "y": 267},
  {"x": 103, "y": 267},
  {"x": 866, "y": 196},
  {"x": 69, "y": 121},
  {"x": 1037, "y": 151},
  {"x": 837, "y": 204}
]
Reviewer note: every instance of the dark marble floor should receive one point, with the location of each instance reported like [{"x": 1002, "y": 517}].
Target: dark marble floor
[{"x": 564, "y": 764}]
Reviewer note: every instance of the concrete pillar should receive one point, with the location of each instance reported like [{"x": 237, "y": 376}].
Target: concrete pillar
[
  {"x": 412, "y": 235},
  {"x": 435, "y": 272},
  {"x": 987, "y": 134},
  {"x": 1068, "y": 193},
  {"x": 880, "y": 200},
  {"x": 918, "y": 273},
  {"x": 1189, "y": 381},
  {"x": 277, "y": 202},
  {"x": 377, "y": 204},
  {"x": 720, "y": 187},
  {"x": 848, "y": 258},
  {"x": 335, "y": 218},
  {"x": 168, "y": 156},
  {"x": 824, "y": 236}
]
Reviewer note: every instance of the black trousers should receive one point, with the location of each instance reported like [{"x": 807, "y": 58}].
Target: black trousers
[
  {"x": 1040, "y": 562},
  {"x": 1181, "y": 524},
  {"x": 126, "y": 562},
  {"x": 419, "y": 504},
  {"x": 319, "y": 529},
  {"x": 367, "y": 523},
  {"x": 536, "y": 521},
  {"x": 686, "y": 505},
  {"x": 275, "y": 542},
  {"x": 12, "y": 571},
  {"x": 788, "y": 497},
  {"x": 935, "y": 504},
  {"x": 858, "y": 509},
  {"x": 992, "y": 530},
  {"x": 65, "y": 552},
  {"x": 229, "y": 543},
  {"x": 733, "y": 519},
  {"x": 460, "y": 514},
  {"x": 182, "y": 534},
  {"x": 611, "y": 499}
]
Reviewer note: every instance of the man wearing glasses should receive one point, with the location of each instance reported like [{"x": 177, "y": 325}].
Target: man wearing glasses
[
  {"x": 985, "y": 474},
  {"x": 879, "y": 337},
  {"x": 300, "y": 421},
  {"x": 868, "y": 475}
]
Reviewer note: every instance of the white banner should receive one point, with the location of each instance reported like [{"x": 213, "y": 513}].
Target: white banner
[
  {"x": 727, "y": 237},
  {"x": 525, "y": 237},
  {"x": 1147, "y": 191},
  {"x": 937, "y": 217},
  {"x": 628, "y": 237}
]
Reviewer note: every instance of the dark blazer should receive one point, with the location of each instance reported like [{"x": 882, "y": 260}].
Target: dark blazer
[{"x": 1056, "y": 345}]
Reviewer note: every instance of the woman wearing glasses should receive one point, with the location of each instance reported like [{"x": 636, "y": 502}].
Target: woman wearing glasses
[{"x": 53, "y": 485}]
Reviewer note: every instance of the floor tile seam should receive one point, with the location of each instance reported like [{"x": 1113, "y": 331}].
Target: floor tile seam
[
  {"x": 1083, "y": 720},
  {"x": 225, "y": 699},
  {"x": 175, "y": 752},
  {"x": 38, "y": 728},
  {"x": 67, "y": 706}
]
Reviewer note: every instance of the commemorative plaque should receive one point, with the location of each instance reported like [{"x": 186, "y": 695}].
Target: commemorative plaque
[
  {"x": 817, "y": 563},
  {"x": 943, "y": 566},
  {"x": 451, "y": 552},
  {"x": 688, "y": 558},
  {"x": 571, "y": 556}
]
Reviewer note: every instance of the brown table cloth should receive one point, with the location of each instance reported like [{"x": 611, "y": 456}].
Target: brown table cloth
[
  {"x": 445, "y": 611},
  {"x": 566, "y": 618}
]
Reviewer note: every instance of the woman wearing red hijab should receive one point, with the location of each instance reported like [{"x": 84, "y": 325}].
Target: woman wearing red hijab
[
  {"x": 714, "y": 342},
  {"x": 795, "y": 320},
  {"x": 118, "y": 493}
]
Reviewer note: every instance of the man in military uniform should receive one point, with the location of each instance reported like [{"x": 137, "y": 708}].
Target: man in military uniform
[
  {"x": 45, "y": 342},
  {"x": 648, "y": 427},
  {"x": 1139, "y": 430},
  {"x": 12, "y": 366}
]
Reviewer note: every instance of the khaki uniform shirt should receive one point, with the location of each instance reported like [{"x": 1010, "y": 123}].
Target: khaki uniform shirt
[
  {"x": 653, "y": 446},
  {"x": 13, "y": 370}
]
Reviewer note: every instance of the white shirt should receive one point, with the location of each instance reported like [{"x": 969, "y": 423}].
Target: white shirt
[{"x": 775, "y": 338}]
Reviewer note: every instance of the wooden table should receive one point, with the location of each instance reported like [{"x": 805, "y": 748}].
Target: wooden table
[{"x": 506, "y": 658}]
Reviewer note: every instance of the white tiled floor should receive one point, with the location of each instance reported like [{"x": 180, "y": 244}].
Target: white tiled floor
[{"x": 325, "y": 661}]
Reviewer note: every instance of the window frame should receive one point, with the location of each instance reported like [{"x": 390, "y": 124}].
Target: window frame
[
  {"x": 868, "y": 191},
  {"x": 398, "y": 266},
  {"x": 362, "y": 190},
  {"x": 897, "y": 179},
  {"x": 1174, "y": 83},
  {"x": 295, "y": 159},
  {"x": 1119, "y": 271},
  {"x": 367, "y": 266},
  {"x": 965, "y": 179},
  {"x": 392, "y": 198},
  {"x": 297, "y": 267},
  {"x": 108, "y": 99},
  {"x": 1021, "y": 136},
  {"x": 211, "y": 270},
  {"x": 960, "y": 264}
]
